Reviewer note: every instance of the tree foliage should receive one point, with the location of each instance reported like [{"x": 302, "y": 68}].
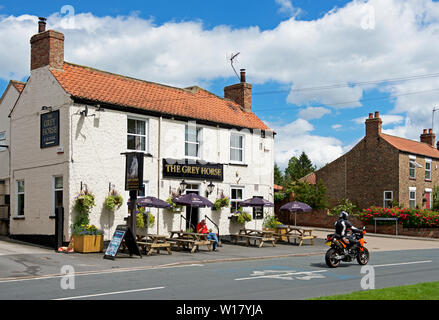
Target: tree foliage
[
  {"x": 313, "y": 195},
  {"x": 298, "y": 168}
]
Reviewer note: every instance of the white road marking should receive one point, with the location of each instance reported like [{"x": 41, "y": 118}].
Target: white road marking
[
  {"x": 88, "y": 273},
  {"x": 401, "y": 264},
  {"x": 109, "y": 293},
  {"x": 308, "y": 275}
]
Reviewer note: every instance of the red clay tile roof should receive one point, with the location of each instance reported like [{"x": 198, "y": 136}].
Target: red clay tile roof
[
  {"x": 277, "y": 188},
  {"x": 18, "y": 85},
  {"x": 310, "y": 178},
  {"x": 411, "y": 146},
  {"x": 196, "y": 103}
]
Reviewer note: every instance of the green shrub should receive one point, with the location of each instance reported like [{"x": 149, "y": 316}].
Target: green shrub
[
  {"x": 344, "y": 205},
  {"x": 114, "y": 201},
  {"x": 271, "y": 222}
]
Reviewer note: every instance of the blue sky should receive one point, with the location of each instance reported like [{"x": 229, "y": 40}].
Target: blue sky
[{"x": 285, "y": 46}]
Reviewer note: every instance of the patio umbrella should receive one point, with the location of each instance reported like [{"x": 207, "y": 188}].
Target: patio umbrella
[
  {"x": 257, "y": 202},
  {"x": 193, "y": 200},
  {"x": 295, "y": 207},
  {"x": 153, "y": 202}
]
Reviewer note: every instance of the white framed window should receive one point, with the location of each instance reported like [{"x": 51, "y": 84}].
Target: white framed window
[
  {"x": 19, "y": 210},
  {"x": 236, "y": 197},
  {"x": 427, "y": 169},
  {"x": 237, "y": 142},
  {"x": 192, "y": 142},
  {"x": 412, "y": 197},
  {"x": 388, "y": 198},
  {"x": 144, "y": 191},
  {"x": 428, "y": 198},
  {"x": 3, "y": 140},
  {"x": 58, "y": 193},
  {"x": 137, "y": 135},
  {"x": 412, "y": 167}
]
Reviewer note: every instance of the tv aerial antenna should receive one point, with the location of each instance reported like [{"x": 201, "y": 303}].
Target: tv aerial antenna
[{"x": 232, "y": 58}]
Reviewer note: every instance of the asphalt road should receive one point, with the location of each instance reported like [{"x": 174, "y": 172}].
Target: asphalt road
[{"x": 288, "y": 278}]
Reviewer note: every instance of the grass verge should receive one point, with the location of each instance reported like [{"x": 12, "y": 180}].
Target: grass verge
[{"x": 422, "y": 291}]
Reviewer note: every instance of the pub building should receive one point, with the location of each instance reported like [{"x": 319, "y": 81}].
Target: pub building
[{"x": 70, "y": 126}]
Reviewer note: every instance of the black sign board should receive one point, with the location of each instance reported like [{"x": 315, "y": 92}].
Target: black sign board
[
  {"x": 49, "y": 129},
  {"x": 122, "y": 233},
  {"x": 134, "y": 171},
  {"x": 188, "y": 169}
]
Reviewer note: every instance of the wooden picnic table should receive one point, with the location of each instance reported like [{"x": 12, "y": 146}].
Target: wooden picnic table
[
  {"x": 190, "y": 240},
  {"x": 258, "y": 235},
  {"x": 154, "y": 242},
  {"x": 295, "y": 232}
]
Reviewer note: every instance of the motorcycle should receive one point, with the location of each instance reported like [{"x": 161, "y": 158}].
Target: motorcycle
[{"x": 340, "y": 251}]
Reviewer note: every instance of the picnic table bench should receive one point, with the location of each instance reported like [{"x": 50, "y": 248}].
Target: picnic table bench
[
  {"x": 190, "y": 240},
  {"x": 297, "y": 233},
  {"x": 258, "y": 235},
  {"x": 155, "y": 242}
]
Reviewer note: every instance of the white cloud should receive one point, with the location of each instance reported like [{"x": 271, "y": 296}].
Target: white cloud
[
  {"x": 335, "y": 48},
  {"x": 311, "y": 113},
  {"x": 296, "y": 137},
  {"x": 286, "y": 6},
  {"x": 336, "y": 126}
]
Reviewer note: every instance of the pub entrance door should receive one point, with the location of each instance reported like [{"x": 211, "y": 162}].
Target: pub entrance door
[{"x": 192, "y": 215}]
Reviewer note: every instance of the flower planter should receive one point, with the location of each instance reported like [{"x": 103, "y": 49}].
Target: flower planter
[{"x": 88, "y": 243}]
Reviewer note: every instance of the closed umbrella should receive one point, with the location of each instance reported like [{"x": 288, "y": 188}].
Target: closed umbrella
[
  {"x": 153, "y": 202},
  {"x": 295, "y": 207},
  {"x": 193, "y": 200},
  {"x": 257, "y": 202}
]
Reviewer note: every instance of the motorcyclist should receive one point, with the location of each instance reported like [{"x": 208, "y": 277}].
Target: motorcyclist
[{"x": 342, "y": 225}]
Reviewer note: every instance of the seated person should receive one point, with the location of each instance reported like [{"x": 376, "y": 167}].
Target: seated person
[{"x": 202, "y": 228}]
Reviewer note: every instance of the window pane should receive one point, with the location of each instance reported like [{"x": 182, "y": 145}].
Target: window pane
[
  {"x": 236, "y": 155},
  {"x": 20, "y": 205},
  {"x": 20, "y": 185},
  {"x": 58, "y": 199},
  {"x": 191, "y": 150},
  {"x": 131, "y": 126},
  {"x": 58, "y": 182},
  {"x": 192, "y": 134},
  {"x": 236, "y": 141},
  {"x": 136, "y": 143}
]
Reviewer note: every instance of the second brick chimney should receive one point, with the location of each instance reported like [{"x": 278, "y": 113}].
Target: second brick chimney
[
  {"x": 373, "y": 125},
  {"x": 240, "y": 93},
  {"x": 47, "y": 48},
  {"x": 428, "y": 137}
]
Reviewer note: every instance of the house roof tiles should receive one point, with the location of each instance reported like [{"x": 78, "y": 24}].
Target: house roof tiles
[
  {"x": 196, "y": 103},
  {"x": 411, "y": 146}
]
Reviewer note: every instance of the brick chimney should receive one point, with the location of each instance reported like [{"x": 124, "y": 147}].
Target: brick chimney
[
  {"x": 428, "y": 137},
  {"x": 47, "y": 48},
  {"x": 240, "y": 93},
  {"x": 373, "y": 125}
]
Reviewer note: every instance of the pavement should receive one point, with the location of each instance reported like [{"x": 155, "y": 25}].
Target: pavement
[{"x": 19, "y": 260}]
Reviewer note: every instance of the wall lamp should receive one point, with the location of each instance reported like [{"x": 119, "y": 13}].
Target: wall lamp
[
  {"x": 46, "y": 108},
  {"x": 210, "y": 188}
]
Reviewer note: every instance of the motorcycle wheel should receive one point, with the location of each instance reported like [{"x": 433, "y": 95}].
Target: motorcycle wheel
[
  {"x": 330, "y": 259},
  {"x": 363, "y": 257}
]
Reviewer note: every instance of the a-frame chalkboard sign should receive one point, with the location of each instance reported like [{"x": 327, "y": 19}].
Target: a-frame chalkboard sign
[{"x": 122, "y": 233}]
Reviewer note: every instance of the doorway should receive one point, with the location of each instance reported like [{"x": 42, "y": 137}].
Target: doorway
[{"x": 192, "y": 215}]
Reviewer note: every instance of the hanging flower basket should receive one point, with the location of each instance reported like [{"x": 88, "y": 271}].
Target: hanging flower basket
[{"x": 114, "y": 201}]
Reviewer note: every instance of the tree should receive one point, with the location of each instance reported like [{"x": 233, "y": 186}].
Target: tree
[
  {"x": 278, "y": 176},
  {"x": 298, "y": 168},
  {"x": 313, "y": 195}
]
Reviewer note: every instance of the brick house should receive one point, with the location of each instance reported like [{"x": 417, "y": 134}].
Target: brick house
[{"x": 382, "y": 168}]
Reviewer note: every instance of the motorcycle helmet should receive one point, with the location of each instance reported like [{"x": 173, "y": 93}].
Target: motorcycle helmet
[{"x": 344, "y": 215}]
